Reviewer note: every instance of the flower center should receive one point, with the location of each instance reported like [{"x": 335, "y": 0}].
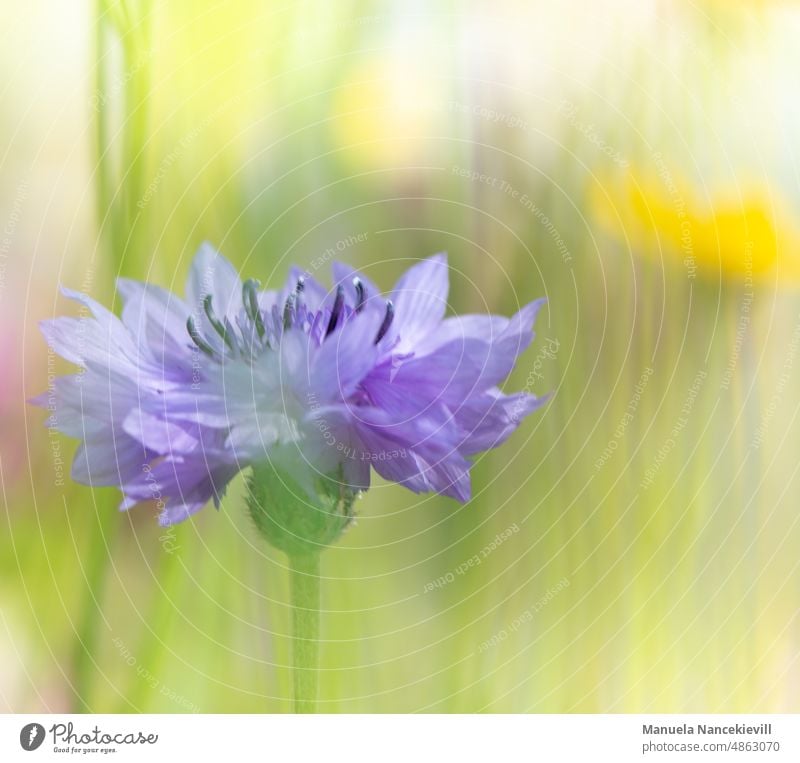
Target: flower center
[{"x": 259, "y": 330}]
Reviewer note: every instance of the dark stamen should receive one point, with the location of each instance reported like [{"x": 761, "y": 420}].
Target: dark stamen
[
  {"x": 229, "y": 330},
  {"x": 387, "y": 321},
  {"x": 250, "y": 299},
  {"x": 288, "y": 309},
  {"x": 336, "y": 310},
  {"x": 361, "y": 294},
  {"x": 197, "y": 339},
  {"x": 214, "y": 321},
  {"x": 291, "y": 302}
]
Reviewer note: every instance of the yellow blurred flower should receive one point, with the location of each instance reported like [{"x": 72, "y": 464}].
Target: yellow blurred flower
[
  {"x": 741, "y": 231},
  {"x": 385, "y": 114}
]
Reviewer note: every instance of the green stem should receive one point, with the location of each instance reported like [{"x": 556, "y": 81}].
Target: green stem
[
  {"x": 149, "y": 652},
  {"x": 101, "y": 138},
  {"x": 104, "y": 530},
  {"x": 116, "y": 232},
  {"x": 135, "y": 44},
  {"x": 105, "y": 525},
  {"x": 304, "y": 572}
]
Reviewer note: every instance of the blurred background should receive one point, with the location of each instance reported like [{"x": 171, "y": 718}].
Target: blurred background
[{"x": 634, "y": 547}]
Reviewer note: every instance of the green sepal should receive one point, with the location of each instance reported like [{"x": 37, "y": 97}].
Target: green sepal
[{"x": 292, "y": 520}]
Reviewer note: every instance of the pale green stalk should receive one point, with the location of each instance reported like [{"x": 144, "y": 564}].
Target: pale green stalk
[
  {"x": 301, "y": 529},
  {"x": 116, "y": 233},
  {"x": 304, "y": 582},
  {"x": 104, "y": 528},
  {"x": 149, "y": 653}
]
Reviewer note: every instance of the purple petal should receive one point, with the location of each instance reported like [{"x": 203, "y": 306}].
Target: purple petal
[
  {"x": 433, "y": 435},
  {"x": 479, "y": 365},
  {"x": 450, "y": 374},
  {"x": 518, "y": 334},
  {"x": 344, "y": 359},
  {"x": 103, "y": 461},
  {"x": 487, "y": 328},
  {"x": 420, "y": 300},
  {"x": 332, "y": 441},
  {"x": 488, "y": 420},
  {"x": 156, "y": 315},
  {"x": 181, "y": 486},
  {"x": 102, "y": 339},
  {"x": 157, "y": 434},
  {"x": 212, "y": 274},
  {"x": 450, "y": 477},
  {"x": 80, "y": 340},
  {"x": 94, "y": 401},
  {"x": 416, "y": 467},
  {"x": 406, "y": 469}
]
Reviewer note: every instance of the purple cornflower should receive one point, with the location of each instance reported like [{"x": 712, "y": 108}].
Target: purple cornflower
[{"x": 177, "y": 396}]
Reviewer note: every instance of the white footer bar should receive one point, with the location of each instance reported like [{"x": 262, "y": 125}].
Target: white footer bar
[{"x": 389, "y": 738}]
